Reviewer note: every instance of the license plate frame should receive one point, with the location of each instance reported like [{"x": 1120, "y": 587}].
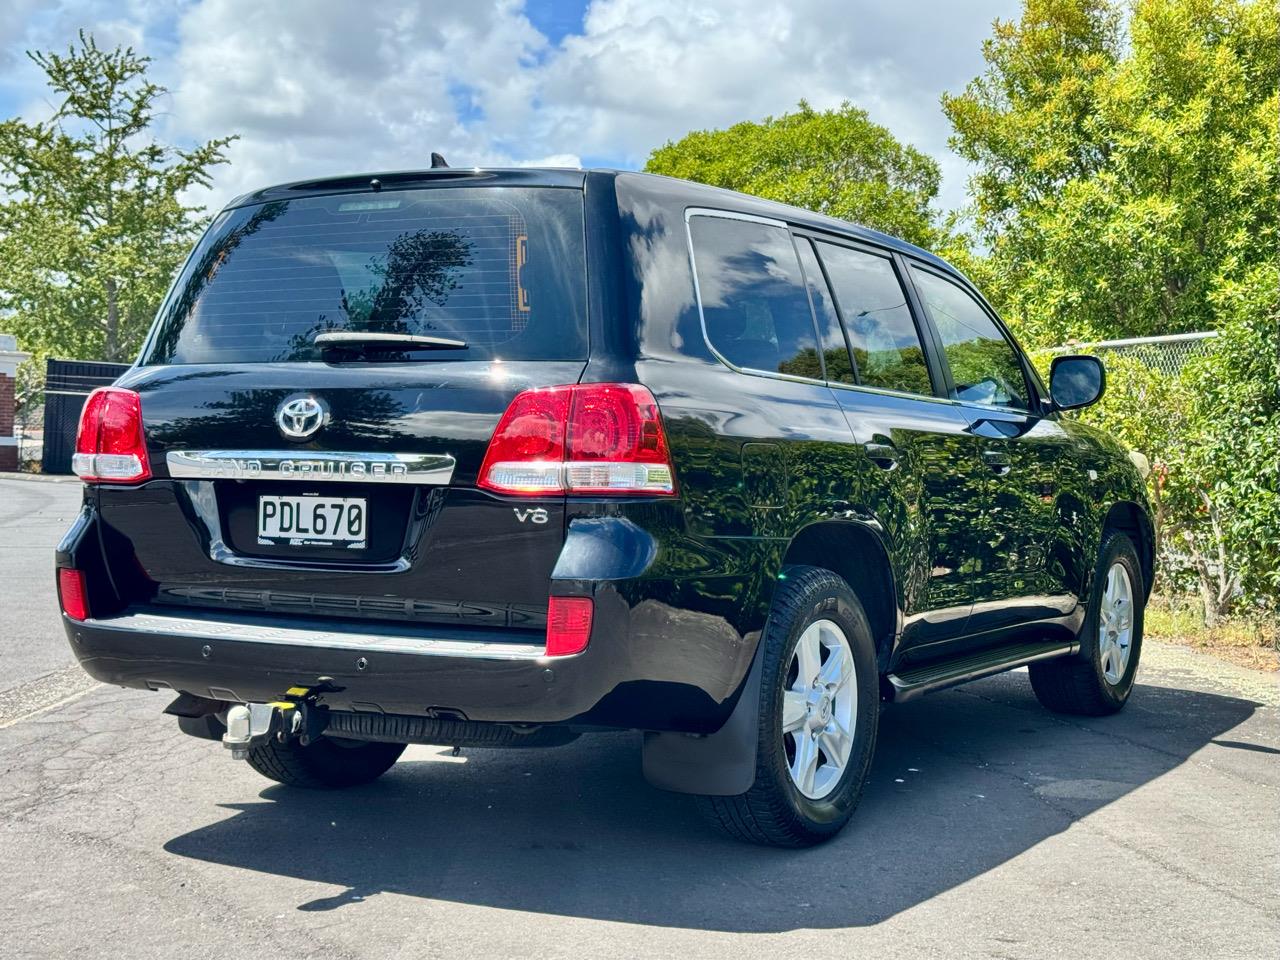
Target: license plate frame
[{"x": 305, "y": 520}]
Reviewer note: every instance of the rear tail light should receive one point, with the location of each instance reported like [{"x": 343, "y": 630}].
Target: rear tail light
[
  {"x": 568, "y": 625},
  {"x": 110, "y": 447},
  {"x": 72, "y": 594},
  {"x": 589, "y": 438}
]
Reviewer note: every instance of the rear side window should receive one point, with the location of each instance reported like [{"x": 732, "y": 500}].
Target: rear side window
[
  {"x": 753, "y": 296},
  {"x": 984, "y": 365},
  {"x": 887, "y": 351},
  {"x": 501, "y": 269},
  {"x": 835, "y": 352}
]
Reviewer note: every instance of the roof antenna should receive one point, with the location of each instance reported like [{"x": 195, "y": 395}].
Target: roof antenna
[{"x": 437, "y": 161}]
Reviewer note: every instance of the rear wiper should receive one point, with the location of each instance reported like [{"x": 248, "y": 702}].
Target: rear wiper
[{"x": 360, "y": 339}]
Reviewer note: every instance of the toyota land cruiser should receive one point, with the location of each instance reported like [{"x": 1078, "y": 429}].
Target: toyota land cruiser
[{"x": 497, "y": 458}]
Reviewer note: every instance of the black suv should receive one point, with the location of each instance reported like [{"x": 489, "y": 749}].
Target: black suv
[{"x": 496, "y": 458}]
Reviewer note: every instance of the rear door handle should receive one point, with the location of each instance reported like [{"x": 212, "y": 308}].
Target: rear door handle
[
  {"x": 883, "y": 455},
  {"x": 998, "y": 461}
]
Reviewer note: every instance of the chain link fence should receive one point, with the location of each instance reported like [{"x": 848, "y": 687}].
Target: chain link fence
[
  {"x": 1165, "y": 357},
  {"x": 28, "y": 421},
  {"x": 1165, "y": 354}
]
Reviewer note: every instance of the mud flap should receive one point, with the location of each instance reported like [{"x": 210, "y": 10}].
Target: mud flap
[{"x": 720, "y": 764}]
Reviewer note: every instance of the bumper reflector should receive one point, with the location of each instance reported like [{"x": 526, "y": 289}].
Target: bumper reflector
[
  {"x": 72, "y": 594},
  {"x": 568, "y": 625}
]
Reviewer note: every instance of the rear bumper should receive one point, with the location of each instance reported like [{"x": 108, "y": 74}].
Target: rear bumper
[
  {"x": 665, "y": 654},
  {"x": 630, "y": 676},
  {"x": 420, "y": 673}
]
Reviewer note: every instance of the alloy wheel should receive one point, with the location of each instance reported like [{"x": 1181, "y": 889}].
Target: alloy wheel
[
  {"x": 819, "y": 709},
  {"x": 1115, "y": 624}
]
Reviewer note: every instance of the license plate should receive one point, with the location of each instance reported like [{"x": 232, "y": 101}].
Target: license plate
[{"x": 313, "y": 522}]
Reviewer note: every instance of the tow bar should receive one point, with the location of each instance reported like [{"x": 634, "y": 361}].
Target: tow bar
[{"x": 254, "y": 724}]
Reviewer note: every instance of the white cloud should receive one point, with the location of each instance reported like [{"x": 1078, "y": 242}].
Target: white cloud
[
  {"x": 347, "y": 87},
  {"x": 332, "y": 86},
  {"x": 645, "y": 71}
]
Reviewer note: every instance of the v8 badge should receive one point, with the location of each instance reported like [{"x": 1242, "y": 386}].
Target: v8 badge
[{"x": 536, "y": 514}]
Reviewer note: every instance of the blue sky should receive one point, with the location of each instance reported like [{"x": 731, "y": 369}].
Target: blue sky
[
  {"x": 556, "y": 19},
  {"x": 331, "y": 86}
]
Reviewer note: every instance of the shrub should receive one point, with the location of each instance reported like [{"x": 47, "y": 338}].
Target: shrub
[{"x": 1212, "y": 435}]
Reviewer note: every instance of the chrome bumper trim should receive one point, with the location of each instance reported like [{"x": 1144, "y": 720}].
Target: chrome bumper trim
[
  {"x": 329, "y": 639},
  {"x": 330, "y": 466}
]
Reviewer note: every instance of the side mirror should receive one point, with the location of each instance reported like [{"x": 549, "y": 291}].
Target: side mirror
[{"x": 1076, "y": 381}]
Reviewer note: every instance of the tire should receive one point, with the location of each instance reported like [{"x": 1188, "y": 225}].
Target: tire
[
  {"x": 325, "y": 764},
  {"x": 1096, "y": 683},
  {"x": 776, "y": 810}
]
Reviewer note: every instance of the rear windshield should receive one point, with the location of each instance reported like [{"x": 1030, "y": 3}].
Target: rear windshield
[{"x": 499, "y": 268}]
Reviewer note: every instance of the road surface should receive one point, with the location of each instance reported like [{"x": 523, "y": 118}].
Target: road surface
[{"x": 990, "y": 828}]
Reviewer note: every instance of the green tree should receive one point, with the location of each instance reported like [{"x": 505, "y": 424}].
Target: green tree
[
  {"x": 836, "y": 162},
  {"x": 1125, "y": 170},
  {"x": 91, "y": 224},
  {"x": 1127, "y": 183}
]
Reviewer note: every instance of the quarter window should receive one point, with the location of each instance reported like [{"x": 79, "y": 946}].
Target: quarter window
[
  {"x": 753, "y": 296},
  {"x": 887, "y": 351},
  {"x": 985, "y": 368}
]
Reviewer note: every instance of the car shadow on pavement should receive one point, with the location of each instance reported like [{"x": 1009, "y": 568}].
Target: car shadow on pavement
[{"x": 962, "y": 782}]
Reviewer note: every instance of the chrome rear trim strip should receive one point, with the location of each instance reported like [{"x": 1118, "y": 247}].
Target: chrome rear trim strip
[
  {"x": 330, "y": 639},
  {"x": 327, "y": 465}
]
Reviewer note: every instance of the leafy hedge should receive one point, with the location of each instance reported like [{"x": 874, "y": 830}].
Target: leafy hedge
[{"x": 1212, "y": 436}]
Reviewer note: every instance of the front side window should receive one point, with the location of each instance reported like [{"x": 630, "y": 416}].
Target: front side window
[
  {"x": 886, "y": 344},
  {"x": 985, "y": 367},
  {"x": 753, "y": 296}
]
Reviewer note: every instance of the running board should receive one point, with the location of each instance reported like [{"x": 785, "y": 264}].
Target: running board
[{"x": 915, "y": 681}]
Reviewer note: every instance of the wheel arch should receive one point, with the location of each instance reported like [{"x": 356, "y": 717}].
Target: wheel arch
[
  {"x": 856, "y": 553},
  {"x": 1131, "y": 518}
]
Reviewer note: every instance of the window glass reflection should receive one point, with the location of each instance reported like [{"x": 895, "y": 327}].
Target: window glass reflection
[
  {"x": 835, "y": 352},
  {"x": 886, "y": 344},
  {"x": 753, "y": 296},
  {"x": 501, "y": 269},
  {"x": 984, "y": 365}
]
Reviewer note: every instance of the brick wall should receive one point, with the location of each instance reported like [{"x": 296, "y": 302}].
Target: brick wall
[
  {"x": 8, "y": 451},
  {"x": 10, "y": 357}
]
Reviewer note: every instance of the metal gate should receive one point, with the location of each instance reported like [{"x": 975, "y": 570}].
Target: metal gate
[{"x": 66, "y": 384}]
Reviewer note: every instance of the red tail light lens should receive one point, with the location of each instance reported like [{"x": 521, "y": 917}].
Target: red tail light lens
[
  {"x": 110, "y": 447},
  {"x": 527, "y": 449},
  {"x": 590, "y": 438},
  {"x": 616, "y": 442},
  {"x": 568, "y": 625},
  {"x": 72, "y": 594}
]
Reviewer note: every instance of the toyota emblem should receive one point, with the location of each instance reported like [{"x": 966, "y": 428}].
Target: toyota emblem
[{"x": 301, "y": 416}]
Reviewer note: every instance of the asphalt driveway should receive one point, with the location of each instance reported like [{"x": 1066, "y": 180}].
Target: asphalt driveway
[{"x": 990, "y": 828}]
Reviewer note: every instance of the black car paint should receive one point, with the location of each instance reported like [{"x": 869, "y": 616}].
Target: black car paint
[{"x": 897, "y": 491}]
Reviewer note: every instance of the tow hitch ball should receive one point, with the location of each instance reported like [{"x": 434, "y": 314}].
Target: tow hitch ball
[{"x": 254, "y": 724}]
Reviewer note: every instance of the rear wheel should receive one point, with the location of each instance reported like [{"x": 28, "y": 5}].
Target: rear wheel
[
  {"x": 324, "y": 764},
  {"x": 819, "y": 711},
  {"x": 1099, "y": 681}
]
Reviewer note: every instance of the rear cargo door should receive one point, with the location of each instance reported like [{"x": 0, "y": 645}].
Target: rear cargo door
[{"x": 318, "y": 394}]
